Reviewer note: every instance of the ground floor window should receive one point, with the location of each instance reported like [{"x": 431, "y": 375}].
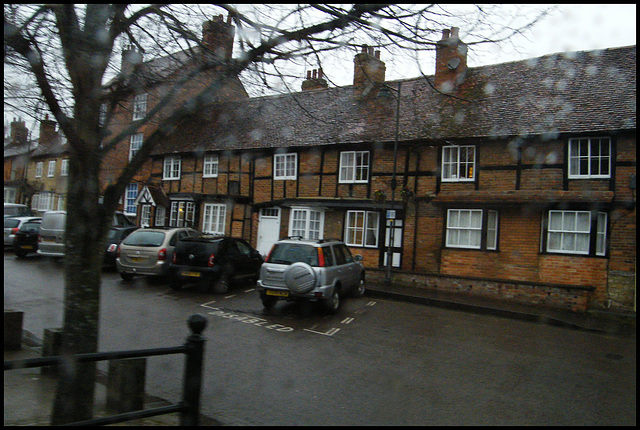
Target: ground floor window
[
  {"x": 213, "y": 219},
  {"x": 362, "y": 228},
  {"x": 145, "y": 216},
  {"x": 467, "y": 228},
  {"x": 43, "y": 202},
  {"x": 161, "y": 214},
  {"x": 307, "y": 223},
  {"x": 182, "y": 214},
  {"x": 570, "y": 232}
]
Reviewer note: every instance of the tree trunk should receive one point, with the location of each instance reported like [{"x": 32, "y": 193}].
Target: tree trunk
[{"x": 85, "y": 230}]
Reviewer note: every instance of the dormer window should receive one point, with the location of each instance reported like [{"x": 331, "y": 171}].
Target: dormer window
[{"x": 139, "y": 106}]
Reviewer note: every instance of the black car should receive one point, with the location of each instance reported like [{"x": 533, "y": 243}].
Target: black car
[
  {"x": 26, "y": 238},
  {"x": 115, "y": 235},
  {"x": 214, "y": 262}
]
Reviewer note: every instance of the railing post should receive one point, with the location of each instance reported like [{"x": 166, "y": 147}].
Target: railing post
[{"x": 193, "y": 371}]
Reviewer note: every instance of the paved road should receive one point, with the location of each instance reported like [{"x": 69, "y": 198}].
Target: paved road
[{"x": 377, "y": 362}]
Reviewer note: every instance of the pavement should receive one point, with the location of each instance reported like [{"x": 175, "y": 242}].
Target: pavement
[{"x": 28, "y": 394}]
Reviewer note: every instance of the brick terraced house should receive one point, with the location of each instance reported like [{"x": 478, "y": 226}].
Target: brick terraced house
[{"x": 513, "y": 181}]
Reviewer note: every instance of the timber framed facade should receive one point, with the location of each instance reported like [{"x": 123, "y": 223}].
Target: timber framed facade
[{"x": 514, "y": 181}]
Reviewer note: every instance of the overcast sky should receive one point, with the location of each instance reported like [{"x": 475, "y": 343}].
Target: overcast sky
[{"x": 571, "y": 27}]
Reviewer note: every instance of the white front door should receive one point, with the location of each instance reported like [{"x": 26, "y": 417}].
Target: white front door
[
  {"x": 396, "y": 247},
  {"x": 268, "y": 229}
]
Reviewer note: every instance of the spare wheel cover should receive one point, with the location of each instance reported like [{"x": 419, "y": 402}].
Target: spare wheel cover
[{"x": 300, "y": 277}]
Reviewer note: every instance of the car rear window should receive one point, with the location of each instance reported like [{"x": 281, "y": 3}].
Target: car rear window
[
  {"x": 288, "y": 253},
  {"x": 145, "y": 238},
  {"x": 30, "y": 226},
  {"x": 11, "y": 222}
]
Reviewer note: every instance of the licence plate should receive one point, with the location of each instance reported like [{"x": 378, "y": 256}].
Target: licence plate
[
  {"x": 26, "y": 247},
  {"x": 136, "y": 259},
  {"x": 191, "y": 274},
  {"x": 277, "y": 293}
]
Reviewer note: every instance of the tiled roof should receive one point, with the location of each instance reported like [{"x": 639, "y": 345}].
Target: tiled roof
[{"x": 576, "y": 92}]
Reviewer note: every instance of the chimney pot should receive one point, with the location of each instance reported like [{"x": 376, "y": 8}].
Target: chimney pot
[
  {"x": 320, "y": 73},
  {"x": 445, "y": 34},
  {"x": 365, "y": 48},
  {"x": 315, "y": 73},
  {"x": 454, "y": 32},
  {"x": 308, "y": 74},
  {"x": 377, "y": 54}
]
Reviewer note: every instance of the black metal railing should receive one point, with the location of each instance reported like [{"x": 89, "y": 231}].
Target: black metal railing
[{"x": 189, "y": 407}]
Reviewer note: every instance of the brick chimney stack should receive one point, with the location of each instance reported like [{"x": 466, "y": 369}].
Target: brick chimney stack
[
  {"x": 130, "y": 59},
  {"x": 451, "y": 61},
  {"x": 47, "y": 131},
  {"x": 218, "y": 36},
  {"x": 369, "y": 71},
  {"x": 19, "y": 132},
  {"x": 314, "y": 81}
]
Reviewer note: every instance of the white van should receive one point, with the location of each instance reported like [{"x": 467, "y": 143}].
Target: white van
[{"x": 51, "y": 239}]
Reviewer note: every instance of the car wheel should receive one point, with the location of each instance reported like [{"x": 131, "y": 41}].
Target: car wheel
[
  {"x": 361, "y": 288},
  {"x": 19, "y": 253},
  {"x": 332, "y": 304},
  {"x": 300, "y": 278},
  {"x": 174, "y": 284},
  {"x": 221, "y": 285},
  {"x": 126, "y": 276},
  {"x": 268, "y": 302}
]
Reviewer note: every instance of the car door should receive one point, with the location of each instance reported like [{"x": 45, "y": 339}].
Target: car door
[
  {"x": 348, "y": 271},
  {"x": 249, "y": 260}
]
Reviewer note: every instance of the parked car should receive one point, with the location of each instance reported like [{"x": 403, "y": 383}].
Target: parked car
[
  {"x": 26, "y": 240},
  {"x": 214, "y": 262},
  {"x": 317, "y": 270},
  {"x": 12, "y": 225},
  {"x": 16, "y": 209},
  {"x": 147, "y": 251},
  {"x": 52, "y": 240},
  {"x": 115, "y": 236}
]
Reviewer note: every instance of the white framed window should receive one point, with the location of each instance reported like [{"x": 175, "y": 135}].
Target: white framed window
[
  {"x": 145, "y": 216},
  {"x": 51, "y": 171},
  {"x": 590, "y": 157},
  {"x": 136, "y": 143},
  {"x": 601, "y": 234},
  {"x": 362, "y": 228},
  {"x": 43, "y": 201},
  {"x": 210, "y": 169},
  {"x": 9, "y": 195},
  {"x": 492, "y": 230},
  {"x": 64, "y": 167},
  {"x": 171, "y": 169},
  {"x": 139, "y": 106},
  {"x": 39, "y": 168},
  {"x": 285, "y": 166},
  {"x": 458, "y": 163},
  {"x": 464, "y": 228},
  {"x": 182, "y": 214},
  {"x": 161, "y": 213},
  {"x": 354, "y": 167},
  {"x": 214, "y": 218},
  {"x": 130, "y": 199},
  {"x": 306, "y": 222}
]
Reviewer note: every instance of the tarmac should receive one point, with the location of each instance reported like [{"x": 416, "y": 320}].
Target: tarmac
[{"x": 28, "y": 393}]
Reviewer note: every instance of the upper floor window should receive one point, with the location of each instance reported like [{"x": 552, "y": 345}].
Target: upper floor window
[
  {"x": 139, "y": 106},
  {"x": 354, "y": 167},
  {"x": 210, "y": 166},
  {"x": 136, "y": 143},
  {"x": 465, "y": 229},
  {"x": 590, "y": 157},
  {"x": 361, "y": 228},
  {"x": 64, "y": 167},
  {"x": 51, "y": 171},
  {"x": 307, "y": 223},
  {"x": 39, "y": 168},
  {"x": 570, "y": 232},
  {"x": 171, "y": 169},
  {"x": 458, "y": 163},
  {"x": 284, "y": 166}
]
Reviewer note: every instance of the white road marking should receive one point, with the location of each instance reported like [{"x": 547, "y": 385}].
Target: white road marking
[
  {"x": 347, "y": 321},
  {"x": 329, "y": 332}
]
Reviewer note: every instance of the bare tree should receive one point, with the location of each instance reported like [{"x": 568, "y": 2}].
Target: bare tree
[{"x": 69, "y": 52}]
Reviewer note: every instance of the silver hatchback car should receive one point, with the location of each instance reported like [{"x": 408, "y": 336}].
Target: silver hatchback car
[
  {"x": 317, "y": 270},
  {"x": 148, "y": 251}
]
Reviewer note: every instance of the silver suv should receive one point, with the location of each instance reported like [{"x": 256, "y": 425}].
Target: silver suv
[{"x": 315, "y": 270}]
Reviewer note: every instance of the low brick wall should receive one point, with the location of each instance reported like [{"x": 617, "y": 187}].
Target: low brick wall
[{"x": 571, "y": 298}]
